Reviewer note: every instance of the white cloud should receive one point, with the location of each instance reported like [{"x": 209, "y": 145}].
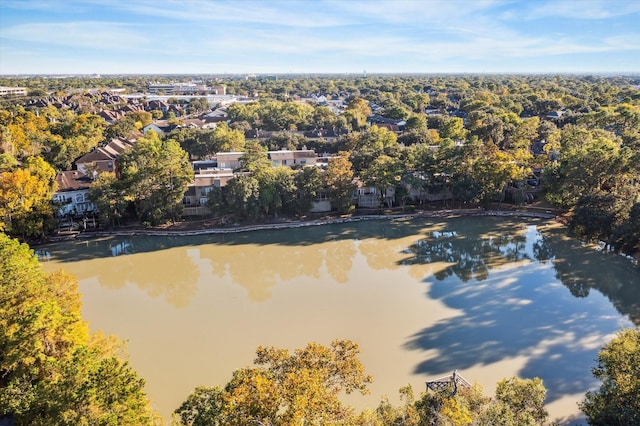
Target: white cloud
[
  {"x": 284, "y": 14},
  {"x": 584, "y": 9},
  {"x": 98, "y": 35}
]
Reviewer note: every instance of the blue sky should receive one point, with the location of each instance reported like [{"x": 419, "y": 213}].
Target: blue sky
[{"x": 342, "y": 36}]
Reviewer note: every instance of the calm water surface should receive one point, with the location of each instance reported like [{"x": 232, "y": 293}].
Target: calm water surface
[{"x": 490, "y": 297}]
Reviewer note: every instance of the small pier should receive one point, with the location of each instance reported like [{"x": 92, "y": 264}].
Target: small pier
[{"x": 445, "y": 382}]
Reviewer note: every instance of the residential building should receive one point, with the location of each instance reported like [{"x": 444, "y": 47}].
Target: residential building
[
  {"x": 72, "y": 196},
  {"x": 103, "y": 159},
  {"x": 290, "y": 158},
  {"x": 204, "y": 180},
  {"x": 229, "y": 160}
]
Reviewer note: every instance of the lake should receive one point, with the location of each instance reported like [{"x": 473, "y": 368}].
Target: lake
[{"x": 489, "y": 297}]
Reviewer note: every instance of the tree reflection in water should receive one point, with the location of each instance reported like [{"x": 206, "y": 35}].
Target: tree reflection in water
[{"x": 506, "y": 284}]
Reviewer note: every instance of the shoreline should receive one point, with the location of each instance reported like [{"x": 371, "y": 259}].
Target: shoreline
[{"x": 301, "y": 223}]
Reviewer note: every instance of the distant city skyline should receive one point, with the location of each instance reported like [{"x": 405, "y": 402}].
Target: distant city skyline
[{"x": 320, "y": 37}]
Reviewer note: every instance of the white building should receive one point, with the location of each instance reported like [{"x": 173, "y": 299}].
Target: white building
[
  {"x": 72, "y": 196},
  {"x": 13, "y": 91}
]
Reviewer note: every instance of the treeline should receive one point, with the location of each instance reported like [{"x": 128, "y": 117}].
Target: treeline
[{"x": 464, "y": 139}]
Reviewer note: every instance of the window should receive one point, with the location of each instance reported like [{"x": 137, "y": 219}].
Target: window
[
  {"x": 79, "y": 198},
  {"x": 203, "y": 201}
]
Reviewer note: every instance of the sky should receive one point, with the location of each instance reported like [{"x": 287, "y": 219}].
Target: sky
[{"x": 317, "y": 36}]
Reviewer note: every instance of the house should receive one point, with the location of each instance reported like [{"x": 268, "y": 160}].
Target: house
[
  {"x": 215, "y": 116},
  {"x": 157, "y": 105},
  {"x": 290, "y": 158},
  {"x": 369, "y": 196},
  {"x": 321, "y": 204},
  {"x": 555, "y": 115},
  {"x": 159, "y": 127},
  {"x": 111, "y": 117},
  {"x": 103, "y": 159},
  {"x": 229, "y": 160},
  {"x": 72, "y": 196},
  {"x": 204, "y": 180}
]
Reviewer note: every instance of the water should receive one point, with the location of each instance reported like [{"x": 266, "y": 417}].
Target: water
[{"x": 490, "y": 297}]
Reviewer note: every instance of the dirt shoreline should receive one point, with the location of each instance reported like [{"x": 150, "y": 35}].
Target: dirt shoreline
[{"x": 306, "y": 223}]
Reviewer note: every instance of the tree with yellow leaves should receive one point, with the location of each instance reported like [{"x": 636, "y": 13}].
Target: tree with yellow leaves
[
  {"x": 52, "y": 371},
  {"x": 283, "y": 389}
]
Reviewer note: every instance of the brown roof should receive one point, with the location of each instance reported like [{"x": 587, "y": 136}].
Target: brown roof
[
  {"x": 98, "y": 154},
  {"x": 72, "y": 180}
]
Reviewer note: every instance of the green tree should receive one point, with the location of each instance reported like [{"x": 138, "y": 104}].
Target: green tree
[
  {"x": 155, "y": 175},
  {"x": 617, "y": 401},
  {"x": 383, "y": 173},
  {"x": 492, "y": 170},
  {"x": 453, "y": 128},
  {"x": 518, "y": 402},
  {"x": 255, "y": 158},
  {"x": 107, "y": 194},
  {"x": 308, "y": 183},
  {"x": 242, "y": 195},
  {"x": 216, "y": 201},
  {"x": 204, "y": 407},
  {"x": 416, "y": 122},
  {"x": 277, "y": 189},
  {"x": 365, "y": 147},
  {"x": 588, "y": 162},
  {"x": 226, "y": 139}
]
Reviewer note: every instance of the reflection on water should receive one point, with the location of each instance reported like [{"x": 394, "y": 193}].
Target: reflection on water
[{"x": 486, "y": 296}]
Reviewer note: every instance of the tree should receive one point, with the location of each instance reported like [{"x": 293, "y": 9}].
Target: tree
[
  {"x": 25, "y": 199},
  {"x": 308, "y": 184},
  {"x": 216, "y": 201},
  {"x": 384, "y": 173},
  {"x": 52, "y": 371},
  {"x": 277, "y": 189},
  {"x": 254, "y": 158},
  {"x": 107, "y": 194},
  {"x": 449, "y": 407},
  {"x": 155, "y": 176},
  {"x": 617, "y": 401},
  {"x": 406, "y": 414},
  {"x": 365, "y": 147},
  {"x": 416, "y": 122},
  {"x": 453, "y": 128},
  {"x": 598, "y": 214},
  {"x": 588, "y": 162},
  {"x": 492, "y": 170},
  {"x": 242, "y": 195},
  {"x": 204, "y": 407},
  {"x": 338, "y": 179},
  {"x": 76, "y": 135},
  {"x": 284, "y": 388},
  {"x": 357, "y": 112},
  {"x": 518, "y": 402},
  {"x": 226, "y": 139},
  {"x": 121, "y": 129}
]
